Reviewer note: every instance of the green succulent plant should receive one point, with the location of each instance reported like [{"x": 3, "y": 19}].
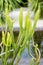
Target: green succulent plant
[
  {"x": 12, "y": 4},
  {"x": 34, "y": 6},
  {"x": 8, "y": 44},
  {"x": 6, "y": 41},
  {"x": 26, "y": 33},
  {"x": 35, "y": 3}
]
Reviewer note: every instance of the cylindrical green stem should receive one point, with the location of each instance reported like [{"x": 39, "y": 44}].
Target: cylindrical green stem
[{"x": 5, "y": 60}]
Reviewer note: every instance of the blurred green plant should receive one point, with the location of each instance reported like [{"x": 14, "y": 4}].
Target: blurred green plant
[
  {"x": 26, "y": 33},
  {"x": 35, "y": 3},
  {"x": 34, "y": 6},
  {"x": 11, "y": 5}
]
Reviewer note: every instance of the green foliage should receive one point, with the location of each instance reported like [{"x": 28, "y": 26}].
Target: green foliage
[
  {"x": 36, "y": 59},
  {"x": 21, "y": 19},
  {"x": 35, "y": 3},
  {"x": 34, "y": 6},
  {"x": 25, "y": 34},
  {"x": 8, "y": 44},
  {"x": 6, "y": 40},
  {"x": 12, "y": 4}
]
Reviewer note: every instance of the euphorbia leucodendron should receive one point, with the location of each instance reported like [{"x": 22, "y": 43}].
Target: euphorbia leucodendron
[
  {"x": 25, "y": 35},
  {"x": 6, "y": 39}
]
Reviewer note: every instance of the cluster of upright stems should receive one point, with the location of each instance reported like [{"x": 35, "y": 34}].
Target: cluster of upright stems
[{"x": 8, "y": 44}]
